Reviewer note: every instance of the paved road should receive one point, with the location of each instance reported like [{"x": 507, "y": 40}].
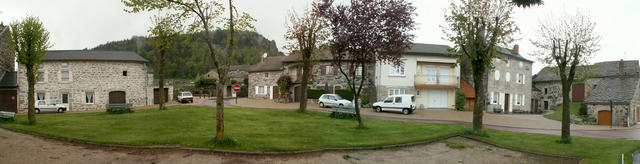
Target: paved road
[{"x": 508, "y": 122}]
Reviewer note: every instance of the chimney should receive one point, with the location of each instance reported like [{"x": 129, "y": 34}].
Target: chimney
[
  {"x": 621, "y": 67},
  {"x": 516, "y": 49}
]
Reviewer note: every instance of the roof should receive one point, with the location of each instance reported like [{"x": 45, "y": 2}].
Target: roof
[
  {"x": 619, "y": 89},
  {"x": 597, "y": 70},
  {"x": 513, "y": 54},
  {"x": 92, "y": 55},
  {"x": 239, "y": 67},
  {"x": 323, "y": 55},
  {"x": 271, "y": 63},
  {"x": 468, "y": 90},
  {"x": 433, "y": 49},
  {"x": 9, "y": 80}
]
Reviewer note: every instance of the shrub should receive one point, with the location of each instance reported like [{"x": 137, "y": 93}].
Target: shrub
[
  {"x": 283, "y": 82},
  {"x": 345, "y": 94},
  {"x": 347, "y": 116},
  {"x": 583, "y": 110},
  {"x": 365, "y": 99},
  {"x": 460, "y": 99},
  {"x": 315, "y": 93}
]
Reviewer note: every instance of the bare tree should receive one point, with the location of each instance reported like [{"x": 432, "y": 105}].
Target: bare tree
[
  {"x": 163, "y": 34},
  {"x": 566, "y": 43},
  {"x": 204, "y": 15},
  {"x": 30, "y": 41},
  {"x": 306, "y": 34},
  {"x": 477, "y": 28},
  {"x": 366, "y": 32}
]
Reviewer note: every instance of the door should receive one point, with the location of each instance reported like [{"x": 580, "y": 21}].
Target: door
[
  {"x": 117, "y": 97},
  {"x": 387, "y": 104},
  {"x": 229, "y": 91},
  {"x": 444, "y": 75},
  {"x": 296, "y": 95},
  {"x": 577, "y": 93},
  {"x": 431, "y": 74},
  {"x": 604, "y": 117},
  {"x": 437, "y": 98},
  {"x": 8, "y": 101},
  {"x": 506, "y": 102},
  {"x": 156, "y": 95},
  {"x": 397, "y": 104},
  {"x": 546, "y": 105}
]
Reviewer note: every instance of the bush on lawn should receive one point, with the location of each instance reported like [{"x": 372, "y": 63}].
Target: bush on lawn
[
  {"x": 345, "y": 94},
  {"x": 460, "y": 99},
  {"x": 583, "y": 110},
  {"x": 119, "y": 110},
  {"x": 314, "y": 93},
  {"x": 347, "y": 116}
]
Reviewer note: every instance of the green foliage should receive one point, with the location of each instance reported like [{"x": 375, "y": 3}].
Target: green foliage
[
  {"x": 119, "y": 110},
  {"x": 365, "y": 99},
  {"x": 315, "y": 93},
  {"x": 460, "y": 99},
  {"x": 455, "y": 145},
  {"x": 202, "y": 82},
  {"x": 189, "y": 54},
  {"x": 346, "y": 116},
  {"x": 284, "y": 82},
  {"x": 345, "y": 94},
  {"x": 583, "y": 110},
  {"x": 526, "y": 3}
]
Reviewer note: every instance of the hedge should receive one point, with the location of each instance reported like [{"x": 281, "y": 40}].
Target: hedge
[
  {"x": 345, "y": 94},
  {"x": 314, "y": 93}
]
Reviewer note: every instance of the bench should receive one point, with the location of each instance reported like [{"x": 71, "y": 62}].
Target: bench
[
  {"x": 119, "y": 108},
  {"x": 7, "y": 115},
  {"x": 343, "y": 112}
]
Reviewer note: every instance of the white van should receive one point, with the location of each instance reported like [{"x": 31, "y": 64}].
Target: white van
[{"x": 397, "y": 103}]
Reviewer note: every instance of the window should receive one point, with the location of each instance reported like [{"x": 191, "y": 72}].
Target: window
[
  {"x": 65, "y": 98},
  {"x": 507, "y": 77},
  {"x": 266, "y": 74},
  {"x": 595, "y": 86},
  {"x": 64, "y": 64},
  {"x": 388, "y": 100},
  {"x": 497, "y": 75},
  {"x": 431, "y": 75},
  {"x": 418, "y": 92},
  {"x": 520, "y": 64},
  {"x": 329, "y": 70},
  {"x": 261, "y": 90},
  {"x": 419, "y": 68},
  {"x": 545, "y": 91},
  {"x": 520, "y": 79},
  {"x": 40, "y": 77},
  {"x": 359, "y": 71},
  {"x": 397, "y": 70},
  {"x": 398, "y": 99},
  {"x": 40, "y": 96},
  {"x": 495, "y": 97},
  {"x": 64, "y": 76},
  {"x": 518, "y": 99},
  {"x": 444, "y": 74},
  {"x": 89, "y": 97},
  {"x": 124, "y": 73},
  {"x": 396, "y": 92}
]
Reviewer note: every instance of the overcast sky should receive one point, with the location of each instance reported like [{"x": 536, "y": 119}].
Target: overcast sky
[{"x": 78, "y": 24}]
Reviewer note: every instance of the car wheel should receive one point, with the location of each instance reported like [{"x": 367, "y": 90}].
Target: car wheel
[
  {"x": 321, "y": 105},
  {"x": 405, "y": 111},
  {"x": 37, "y": 111},
  {"x": 60, "y": 110},
  {"x": 378, "y": 109}
]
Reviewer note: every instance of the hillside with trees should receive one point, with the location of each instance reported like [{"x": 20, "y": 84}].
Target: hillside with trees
[{"x": 189, "y": 56}]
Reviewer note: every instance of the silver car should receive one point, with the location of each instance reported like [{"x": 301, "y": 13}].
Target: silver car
[{"x": 332, "y": 100}]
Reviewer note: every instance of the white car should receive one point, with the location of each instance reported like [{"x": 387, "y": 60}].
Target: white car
[
  {"x": 332, "y": 100},
  {"x": 42, "y": 105},
  {"x": 397, "y": 103},
  {"x": 185, "y": 97}
]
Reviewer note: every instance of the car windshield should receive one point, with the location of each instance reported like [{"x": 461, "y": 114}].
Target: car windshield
[{"x": 186, "y": 94}]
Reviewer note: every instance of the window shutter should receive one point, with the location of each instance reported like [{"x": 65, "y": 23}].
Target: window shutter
[
  {"x": 523, "y": 100},
  {"x": 524, "y": 79},
  {"x": 323, "y": 70},
  {"x": 256, "y": 90}
]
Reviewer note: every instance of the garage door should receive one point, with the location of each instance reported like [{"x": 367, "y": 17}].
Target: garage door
[
  {"x": 117, "y": 97},
  {"x": 604, "y": 117},
  {"x": 437, "y": 98},
  {"x": 8, "y": 101}
]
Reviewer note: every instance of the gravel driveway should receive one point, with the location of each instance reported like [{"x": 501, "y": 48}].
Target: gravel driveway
[{"x": 21, "y": 148}]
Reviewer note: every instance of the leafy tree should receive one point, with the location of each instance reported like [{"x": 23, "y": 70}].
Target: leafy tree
[
  {"x": 204, "y": 15},
  {"x": 30, "y": 41},
  {"x": 526, "y": 3},
  {"x": 477, "y": 28},
  {"x": 284, "y": 82},
  {"x": 306, "y": 33},
  {"x": 565, "y": 44},
  {"x": 366, "y": 32},
  {"x": 163, "y": 34}
]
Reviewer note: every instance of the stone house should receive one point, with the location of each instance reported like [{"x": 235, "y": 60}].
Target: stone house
[
  {"x": 8, "y": 75},
  {"x": 88, "y": 80},
  {"x": 428, "y": 72},
  {"x": 263, "y": 77},
  {"x": 623, "y": 94},
  {"x": 237, "y": 73},
  {"x": 509, "y": 83},
  {"x": 587, "y": 78}
]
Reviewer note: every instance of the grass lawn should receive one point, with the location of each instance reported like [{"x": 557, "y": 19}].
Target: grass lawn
[
  {"x": 557, "y": 111},
  {"x": 280, "y": 130}
]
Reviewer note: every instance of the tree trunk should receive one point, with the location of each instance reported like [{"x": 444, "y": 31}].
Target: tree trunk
[
  {"x": 219, "y": 111},
  {"x": 222, "y": 72},
  {"x": 31, "y": 113},
  {"x": 306, "y": 63},
  {"x": 356, "y": 95},
  {"x": 566, "y": 111},
  {"x": 161, "y": 80},
  {"x": 481, "y": 96}
]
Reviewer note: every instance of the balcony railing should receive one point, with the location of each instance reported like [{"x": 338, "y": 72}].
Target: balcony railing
[{"x": 436, "y": 80}]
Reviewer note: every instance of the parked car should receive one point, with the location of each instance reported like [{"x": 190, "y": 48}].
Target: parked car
[
  {"x": 42, "y": 105},
  {"x": 397, "y": 103},
  {"x": 185, "y": 97},
  {"x": 332, "y": 100}
]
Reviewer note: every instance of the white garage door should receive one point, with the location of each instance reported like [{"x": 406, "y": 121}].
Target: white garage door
[{"x": 437, "y": 98}]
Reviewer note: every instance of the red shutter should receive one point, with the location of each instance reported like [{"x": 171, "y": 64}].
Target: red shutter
[{"x": 323, "y": 70}]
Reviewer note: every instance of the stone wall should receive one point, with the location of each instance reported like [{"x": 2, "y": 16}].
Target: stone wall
[
  {"x": 99, "y": 77},
  {"x": 257, "y": 79},
  {"x": 333, "y": 80},
  {"x": 553, "y": 95},
  {"x": 7, "y": 60},
  {"x": 620, "y": 114},
  {"x": 508, "y": 85}
]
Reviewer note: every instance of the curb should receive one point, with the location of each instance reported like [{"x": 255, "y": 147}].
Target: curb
[{"x": 240, "y": 152}]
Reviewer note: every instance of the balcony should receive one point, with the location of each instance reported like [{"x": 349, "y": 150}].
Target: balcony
[{"x": 422, "y": 80}]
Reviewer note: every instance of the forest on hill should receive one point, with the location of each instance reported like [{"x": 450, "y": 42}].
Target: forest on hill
[{"x": 189, "y": 56}]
